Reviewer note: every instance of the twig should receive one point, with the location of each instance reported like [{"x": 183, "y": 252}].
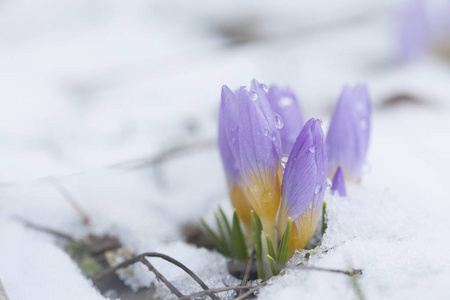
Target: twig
[
  {"x": 46, "y": 230},
  {"x": 166, "y": 155},
  {"x": 252, "y": 290},
  {"x": 65, "y": 193},
  {"x": 247, "y": 270},
  {"x": 160, "y": 277},
  {"x": 264, "y": 283},
  {"x": 353, "y": 272},
  {"x": 155, "y": 254},
  {"x": 211, "y": 292}
]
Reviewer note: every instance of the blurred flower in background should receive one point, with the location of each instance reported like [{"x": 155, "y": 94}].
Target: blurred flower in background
[
  {"x": 349, "y": 132},
  {"x": 421, "y": 27}
]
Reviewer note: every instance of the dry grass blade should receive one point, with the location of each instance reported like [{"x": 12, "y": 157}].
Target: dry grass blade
[{"x": 72, "y": 201}]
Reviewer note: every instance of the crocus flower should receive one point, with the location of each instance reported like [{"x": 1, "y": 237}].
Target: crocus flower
[
  {"x": 250, "y": 145},
  {"x": 285, "y": 104},
  {"x": 412, "y": 30},
  {"x": 259, "y": 153},
  {"x": 339, "y": 183},
  {"x": 304, "y": 185},
  {"x": 228, "y": 147},
  {"x": 348, "y": 135}
]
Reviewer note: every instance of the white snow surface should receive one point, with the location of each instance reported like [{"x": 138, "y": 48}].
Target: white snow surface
[{"x": 89, "y": 89}]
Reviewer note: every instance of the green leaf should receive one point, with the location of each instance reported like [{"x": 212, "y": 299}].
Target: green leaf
[
  {"x": 272, "y": 260},
  {"x": 222, "y": 236},
  {"x": 225, "y": 221},
  {"x": 222, "y": 247},
  {"x": 256, "y": 231},
  {"x": 238, "y": 240},
  {"x": 270, "y": 246},
  {"x": 272, "y": 256},
  {"x": 324, "y": 218},
  {"x": 284, "y": 245}
]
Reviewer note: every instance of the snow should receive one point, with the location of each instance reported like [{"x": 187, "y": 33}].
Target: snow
[{"x": 91, "y": 89}]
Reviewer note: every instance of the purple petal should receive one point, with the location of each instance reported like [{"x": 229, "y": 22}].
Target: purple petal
[
  {"x": 348, "y": 135},
  {"x": 261, "y": 92},
  {"x": 256, "y": 138},
  {"x": 412, "y": 30},
  {"x": 285, "y": 104},
  {"x": 258, "y": 154},
  {"x": 227, "y": 137},
  {"x": 339, "y": 183},
  {"x": 305, "y": 176}
]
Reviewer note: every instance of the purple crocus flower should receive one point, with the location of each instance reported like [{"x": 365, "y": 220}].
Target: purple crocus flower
[
  {"x": 339, "y": 183},
  {"x": 259, "y": 153},
  {"x": 229, "y": 150},
  {"x": 250, "y": 146},
  {"x": 412, "y": 30},
  {"x": 304, "y": 185},
  {"x": 348, "y": 135},
  {"x": 285, "y": 104}
]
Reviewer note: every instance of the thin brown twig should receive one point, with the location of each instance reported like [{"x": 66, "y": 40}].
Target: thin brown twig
[
  {"x": 155, "y": 254},
  {"x": 160, "y": 277},
  {"x": 166, "y": 155},
  {"x": 353, "y": 272},
  {"x": 73, "y": 202},
  {"x": 46, "y": 230},
  {"x": 211, "y": 292},
  {"x": 252, "y": 290},
  {"x": 247, "y": 270}
]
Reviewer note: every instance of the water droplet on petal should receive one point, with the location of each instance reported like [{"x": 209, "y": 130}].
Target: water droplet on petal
[
  {"x": 320, "y": 121},
  {"x": 266, "y": 132},
  {"x": 273, "y": 138},
  {"x": 284, "y": 160},
  {"x": 312, "y": 149},
  {"x": 278, "y": 121},
  {"x": 267, "y": 197},
  {"x": 253, "y": 96},
  {"x": 255, "y": 188},
  {"x": 329, "y": 183},
  {"x": 318, "y": 189},
  {"x": 264, "y": 87}
]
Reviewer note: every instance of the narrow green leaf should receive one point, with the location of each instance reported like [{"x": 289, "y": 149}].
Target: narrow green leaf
[
  {"x": 220, "y": 227},
  {"x": 273, "y": 265},
  {"x": 226, "y": 242},
  {"x": 270, "y": 246},
  {"x": 225, "y": 221},
  {"x": 272, "y": 260},
  {"x": 238, "y": 240},
  {"x": 272, "y": 256},
  {"x": 256, "y": 231},
  {"x": 216, "y": 239},
  {"x": 284, "y": 245},
  {"x": 324, "y": 218}
]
